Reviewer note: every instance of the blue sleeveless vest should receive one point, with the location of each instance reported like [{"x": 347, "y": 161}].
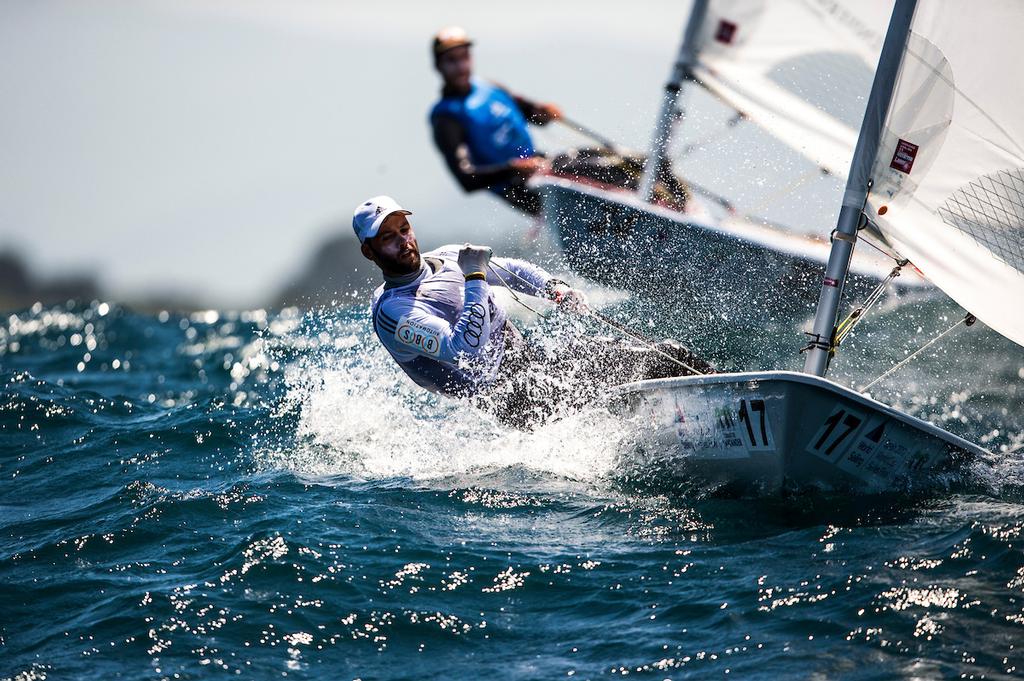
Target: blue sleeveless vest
[{"x": 495, "y": 127}]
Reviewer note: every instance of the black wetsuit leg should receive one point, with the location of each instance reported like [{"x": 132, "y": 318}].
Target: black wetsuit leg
[
  {"x": 680, "y": 361},
  {"x": 517, "y": 398},
  {"x": 534, "y": 386}
]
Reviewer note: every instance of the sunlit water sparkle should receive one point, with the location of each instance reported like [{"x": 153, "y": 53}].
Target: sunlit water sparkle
[{"x": 264, "y": 495}]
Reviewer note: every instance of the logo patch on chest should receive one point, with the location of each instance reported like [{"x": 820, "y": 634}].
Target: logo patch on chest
[{"x": 419, "y": 336}]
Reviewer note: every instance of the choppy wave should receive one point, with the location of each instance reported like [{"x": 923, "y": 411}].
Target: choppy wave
[{"x": 263, "y": 494}]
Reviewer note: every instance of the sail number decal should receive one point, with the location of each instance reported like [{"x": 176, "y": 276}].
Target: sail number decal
[
  {"x": 753, "y": 414},
  {"x": 727, "y": 428},
  {"x": 835, "y": 435}
]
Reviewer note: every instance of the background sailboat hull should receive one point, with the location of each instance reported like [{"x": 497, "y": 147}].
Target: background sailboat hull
[
  {"x": 766, "y": 432},
  {"x": 751, "y": 271}
]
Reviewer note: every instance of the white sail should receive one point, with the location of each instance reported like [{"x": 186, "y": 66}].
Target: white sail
[
  {"x": 948, "y": 179},
  {"x": 801, "y": 69}
]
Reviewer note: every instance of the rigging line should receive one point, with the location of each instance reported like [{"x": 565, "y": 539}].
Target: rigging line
[
  {"x": 881, "y": 250},
  {"x": 730, "y": 124},
  {"x": 846, "y": 327},
  {"x": 966, "y": 321},
  {"x": 859, "y": 313},
  {"x": 723, "y": 201},
  {"x": 728, "y": 205},
  {"x": 727, "y": 101},
  {"x": 596, "y": 315},
  {"x": 866, "y": 222},
  {"x": 581, "y": 129},
  {"x": 790, "y": 188},
  {"x": 737, "y": 118},
  {"x": 511, "y": 291},
  {"x": 719, "y": 96}
]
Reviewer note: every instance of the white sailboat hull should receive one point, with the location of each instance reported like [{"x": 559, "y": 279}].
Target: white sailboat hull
[{"x": 766, "y": 432}]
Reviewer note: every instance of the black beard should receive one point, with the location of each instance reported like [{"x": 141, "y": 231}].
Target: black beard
[{"x": 393, "y": 266}]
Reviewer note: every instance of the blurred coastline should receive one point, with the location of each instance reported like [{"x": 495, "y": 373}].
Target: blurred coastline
[
  {"x": 333, "y": 272},
  {"x": 20, "y": 287}
]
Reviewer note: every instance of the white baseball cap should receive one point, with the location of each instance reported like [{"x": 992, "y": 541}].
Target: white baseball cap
[{"x": 370, "y": 214}]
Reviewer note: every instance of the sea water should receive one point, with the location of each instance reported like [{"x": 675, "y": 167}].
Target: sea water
[{"x": 264, "y": 495}]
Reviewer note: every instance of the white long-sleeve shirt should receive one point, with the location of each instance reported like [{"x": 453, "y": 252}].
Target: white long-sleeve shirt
[{"x": 448, "y": 334}]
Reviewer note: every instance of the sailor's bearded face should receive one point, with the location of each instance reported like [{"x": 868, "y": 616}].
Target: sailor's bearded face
[
  {"x": 394, "y": 249},
  {"x": 456, "y": 67}
]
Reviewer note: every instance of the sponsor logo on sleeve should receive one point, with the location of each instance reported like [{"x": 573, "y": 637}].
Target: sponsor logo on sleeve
[
  {"x": 419, "y": 336},
  {"x": 475, "y": 326}
]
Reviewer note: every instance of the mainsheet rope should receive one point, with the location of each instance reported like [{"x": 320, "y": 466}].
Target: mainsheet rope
[{"x": 593, "y": 313}]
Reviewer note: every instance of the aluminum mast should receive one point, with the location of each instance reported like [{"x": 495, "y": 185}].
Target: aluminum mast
[
  {"x": 845, "y": 236},
  {"x": 681, "y": 72}
]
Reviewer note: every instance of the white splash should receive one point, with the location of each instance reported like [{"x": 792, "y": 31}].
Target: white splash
[{"x": 360, "y": 416}]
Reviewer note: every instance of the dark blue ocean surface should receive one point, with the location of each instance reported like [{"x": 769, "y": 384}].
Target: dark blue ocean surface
[{"x": 263, "y": 495}]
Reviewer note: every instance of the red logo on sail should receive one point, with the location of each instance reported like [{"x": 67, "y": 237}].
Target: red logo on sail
[
  {"x": 903, "y": 159},
  {"x": 725, "y": 32}
]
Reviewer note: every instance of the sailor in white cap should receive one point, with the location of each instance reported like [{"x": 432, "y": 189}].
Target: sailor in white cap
[
  {"x": 437, "y": 316},
  {"x": 435, "y": 312}
]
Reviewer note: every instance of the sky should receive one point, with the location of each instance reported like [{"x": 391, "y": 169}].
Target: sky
[{"x": 205, "y": 148}]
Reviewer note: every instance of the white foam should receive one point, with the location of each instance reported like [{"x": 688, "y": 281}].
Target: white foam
[{"x": 359, "y": 416}]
